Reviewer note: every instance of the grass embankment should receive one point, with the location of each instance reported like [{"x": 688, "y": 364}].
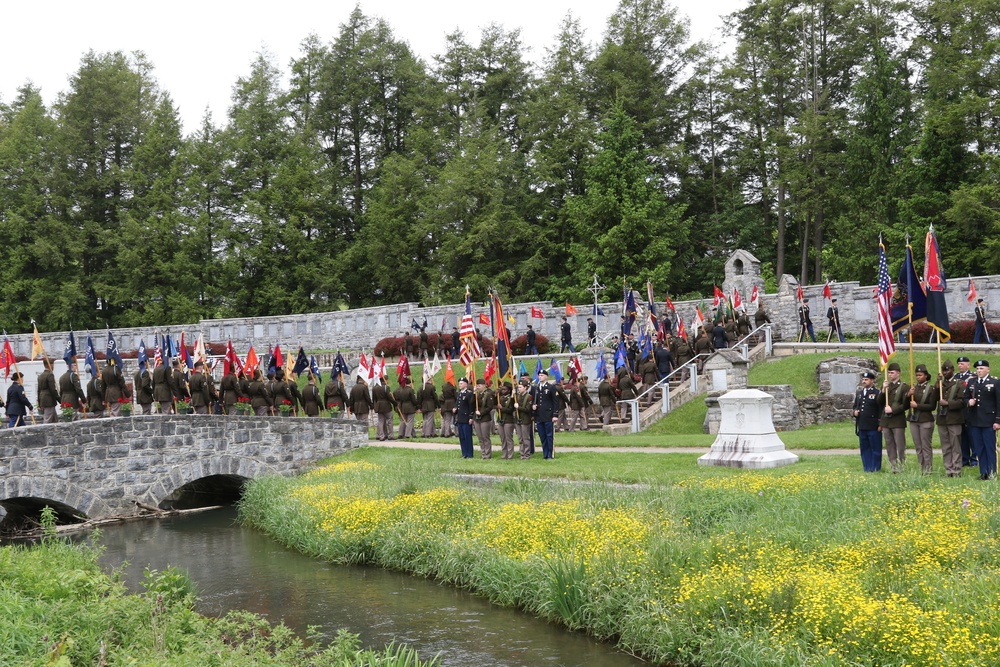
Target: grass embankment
[
  {"x": 57, "y": 609},
  {"x": 814, "y": 564}
]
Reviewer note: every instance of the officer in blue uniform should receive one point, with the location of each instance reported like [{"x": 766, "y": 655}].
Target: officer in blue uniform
[
  {"x": 546, "y": 407},
  {"x": 463, "y": 417},
  {"x": 866, "y": 418},
  {"x": 965, "y": 375},
  {"x": 984, "y": 420}
]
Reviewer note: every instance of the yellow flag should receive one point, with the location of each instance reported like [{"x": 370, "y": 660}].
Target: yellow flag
[{"x": 36, "y": 344}]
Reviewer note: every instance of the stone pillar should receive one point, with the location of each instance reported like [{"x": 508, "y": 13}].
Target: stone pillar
[{"x": 747, "y": 438}]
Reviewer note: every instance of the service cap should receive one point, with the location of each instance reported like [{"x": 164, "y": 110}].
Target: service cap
[{"x": 981, "y": 363}]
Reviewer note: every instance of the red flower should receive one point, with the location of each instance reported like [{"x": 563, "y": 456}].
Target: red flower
[
  {"x": 124, "y": 400},
  {"x": 66, "y": 405},
  {"x": 286, "y": 402},
  {"x": 243, "y": 399}
]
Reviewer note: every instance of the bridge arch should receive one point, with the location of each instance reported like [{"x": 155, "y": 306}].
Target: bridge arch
[
  {"x": 235, "y": 468},
  {"x": 19, "y": 493}
]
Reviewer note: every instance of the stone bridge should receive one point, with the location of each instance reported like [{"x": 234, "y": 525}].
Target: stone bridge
[{"x": 101, "y": 468}]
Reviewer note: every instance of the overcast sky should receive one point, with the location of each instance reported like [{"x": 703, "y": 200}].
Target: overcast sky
[{"x": 199, "y": 49}]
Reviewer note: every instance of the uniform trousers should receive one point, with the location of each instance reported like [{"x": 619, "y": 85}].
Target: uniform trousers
[
  {"x": 578, "y": 417},
  {"x": 49, "y": 415},
  {"x": 563, "y": 420},
  {"x": 428, "y": 430},
  {"x": 895, "y": 446},
  {"x": 262, "y": 411},
  {"x": 146, "y": 408},
  {"x": 166, "y": 407},
  {"x": 447, "y": 421},
  {"x": 605, "y": 414},
  {"x": 871, "y": 450},
  {"x": 951, "y": 447},
  {"x": 545, "y": 435},
  {"x": 483, "y": 430},
  {"x": 922, "y": 432},
  {"x": 968, "y": 452},
  {"x": 406, "y": 426},
  {"x": 383, "y": 425},
  {"x": 200, "y": 410},
  {"x": 465, "y": 438},
  {"x": 115, "y": 409},
  {"x": 525, "y": 439},
  {"x": 984, "y": 443},
  {"x": 506, "y": 439}
]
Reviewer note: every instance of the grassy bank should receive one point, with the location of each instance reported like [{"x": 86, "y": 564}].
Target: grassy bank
[
  {"x": 57, "y": 608},
  {"x": 814, "y": 564}
]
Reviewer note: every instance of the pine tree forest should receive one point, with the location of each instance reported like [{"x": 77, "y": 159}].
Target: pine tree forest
[{"x": 359, "y": 174}]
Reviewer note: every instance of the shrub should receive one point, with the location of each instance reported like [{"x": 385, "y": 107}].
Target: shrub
[
  {"x": 394, "y": 345},
  {"x": 962, "y": 331},
  {"x": 541, "y": 342}
]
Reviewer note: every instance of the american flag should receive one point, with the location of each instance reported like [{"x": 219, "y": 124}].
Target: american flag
[
  {"x": 883, "y": 295},
  {"x": 467, "y": 333}
]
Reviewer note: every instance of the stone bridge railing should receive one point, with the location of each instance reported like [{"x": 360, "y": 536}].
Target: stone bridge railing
[{"x": 102, "y": 467}]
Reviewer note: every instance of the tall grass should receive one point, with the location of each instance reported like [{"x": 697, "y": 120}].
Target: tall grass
[{"x": 808, "y": 565}]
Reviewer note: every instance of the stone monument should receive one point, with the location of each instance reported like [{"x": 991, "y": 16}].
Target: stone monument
[{"x": 747, "y": 438}]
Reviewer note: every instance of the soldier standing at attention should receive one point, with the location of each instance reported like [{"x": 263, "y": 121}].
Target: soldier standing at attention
[
  {"x": 114, "y": 387},
  {"x": 505, "y": 419},
  {"x": 984, "y": 417},
  {"x": 48, "y": 393},
  {"x": 463, "y": 410},
  {"x": 162, "y": 393},
  {"x": 384, "y": 404},
  {"x": 545, "y": 408},
  {"x": 894, "y": 399},
  {"x": 522, "y": 419},
  {"x": 406, "y": 400},
  {"x": 950, "y": 419},
  {"x": 70, "y": 391},
  {"x": 923, "y": 402},
  {"x": 483, "y": 404},
  {"x": 179, "y": 384},
  {"x": 143, "y": 383},
  {"x": 866, "y": 419},
  {"x": 448, "y": 393},
  {"x": 429, "y": 404},
  {"x": 965, "y": 375}
]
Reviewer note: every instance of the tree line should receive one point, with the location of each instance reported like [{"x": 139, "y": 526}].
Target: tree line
[{"x": 375, "y": 177}]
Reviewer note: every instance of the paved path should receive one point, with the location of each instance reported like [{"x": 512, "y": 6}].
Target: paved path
[{"x": 433, "y": 445}]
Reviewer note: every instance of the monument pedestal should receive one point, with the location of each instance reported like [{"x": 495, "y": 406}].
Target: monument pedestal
[{"x": 747, "y": 438}]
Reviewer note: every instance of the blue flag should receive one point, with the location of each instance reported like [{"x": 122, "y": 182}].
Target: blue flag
[
  {"x": 523, "y": 370},
  {"x": 621, "y": 359},
  {"x": 554, "y": 370},
  {"x": 597, "y": 310},
  {"x": 645, "y": 344},
  {"x": 602, "y": 367},
  {"x": 70, "y": 350},
  {"x": 112, "y": 351},
  {"x": 142, "y": 358},
  {"x": 314, "y": 367},
  {"x": 301, "y": 362},
  {"x": 538, "y": 369},
  {"x": 630, "y": 312},
  {"x": 168, "y": 348},
  {"x": 909, "y": 302},
  {"x": 90, "y": 360},
  {"x": 340, "y": 367}
]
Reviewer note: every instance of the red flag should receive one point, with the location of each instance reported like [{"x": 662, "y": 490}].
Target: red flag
[
  {"x": 491, "y": 369},
  {"x": 570, "y": 309},
  {"x": 484, "y": 319},
  {"x": 574, "y": 368},
  {"x": 800, "y": 296},
  {"x": 278, "y": 361},
  {"x": 827, "y": 294},
  {"x": 536, "y": 312},
  {"x": 362, "y": 371},
  {"x": 402, "y": 368},
  {"x": 670, "y": 304},
  {"x": 449, "y": 372},
  {"x": 252, "y": 362},
  {"x": 681, "y": 331},
  {"x": 973, "y": 296},
  {"x": 7, "y": 357},
  {"x": 718, "y": 297},
  {"x": 753, "y": 295},
  {"x": 185, "y": 357},
  {"x": 737, "y": 301},
  {"x": 230, "y": 362}
]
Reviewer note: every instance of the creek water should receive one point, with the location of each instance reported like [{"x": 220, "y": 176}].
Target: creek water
[{"x": 235, "y": 567}]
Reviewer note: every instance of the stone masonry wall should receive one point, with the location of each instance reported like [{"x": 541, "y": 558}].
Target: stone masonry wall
[{"x": 100, "y": 467}]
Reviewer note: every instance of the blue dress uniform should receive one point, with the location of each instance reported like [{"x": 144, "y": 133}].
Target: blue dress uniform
[
  {"x": 981, "y": 397},
  {"x": 968, "y": 455},
  {"x": 463, "y": 417},
  {"x": 866, "y": 419},
  {"x": 546, "y": 407}
]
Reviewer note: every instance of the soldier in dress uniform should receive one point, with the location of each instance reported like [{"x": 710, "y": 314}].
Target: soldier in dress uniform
[
  {"x": 606, "y": 398},
  {"x": 505, "y": 419},
  {"x": 360, "y": 400},
  {"x": 866, "y": 418},
  {"x": 260, "y": 399},
  {"x": 522, "y": 419},
  {"x": 965, "y": 374},
  {"x": 760, "y": 318},
  {"x": 894, "y": 399},
  {"x": 178, "y": 383},
  {"x": 950, "y": 420},
  {"x": 70, "y": 391},
  {"x": 833, "y": 317},
  {"x": 923, "y": 404},
  {"x": 743, "y": 324},
  {"x": 384, "y": 405},
  {"x": 406, "y": 401},
  {"x": 448, "y": 393},
  {"x": 483, "y": 403},
  {"x": 335, "y": 396},
  {"x": 47, "y": 393},
  {"x": 982, "y": 334},
  {"x": 143, "y": 383},
  {"x": 201, "y": 397},
  {"x": 984, "y": 417},
  {"x": 162, "y": 392},
  {"x": 429, "y": 404},
  {"x": 231, "y": 393},
  {"x": 114, "y": 387},
  {"x": 311, "y": 398},
  {"x": 805, "y": 322},
  {"x": 463, "y": 411},
  {"x": 545, "y": 407}
]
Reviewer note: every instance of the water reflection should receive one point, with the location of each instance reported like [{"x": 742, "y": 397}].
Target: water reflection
[{"x": 238, "y": 568}]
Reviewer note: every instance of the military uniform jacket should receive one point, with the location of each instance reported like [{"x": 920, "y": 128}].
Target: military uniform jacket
[
  {"x": 682, "y": 352},
  {"x": 522, "y": 408},
  {"x": 530, "y": 338},
  {"x": 361, "y": 402},
  {"x": 259, "y": 397},
  {"x": 980, "y": 315},
  {"x": 984, "y": 413},
  {"x": 731, "y": 331},
  {"x": 310, "y": 400},
  {"x": 605, "y": 395},
  {"x": 406, "y": 399},
  {"x": 866, "y": 402},
  {"x": 48, "y": 394},
  {"x": 575, "y": 399},
  {"x": 143, "y": 383},
  {"x": 448, "y": 392},
  {"x": 95, "y": 394},
  {"x": 293, "y": 388},
  {"x": 280, "y": 393},
  {"x": 926, "y": 397},
  {"x": 464, "y": 406},
  {"x": 546, "y": 402},
  {"x": 335, "y": 395},
  {"x": 833, "y": 316},
  {"x": 428, "y": 398},
  {"x": 200, "y": 396},
  {"x": 484, "y": 404},
  {"x": 114, "y": 384},
  {"x": 70, "y": 390},
  {"x": 743, "y": 324},
  {"x": 230, "y": 389},
  {"x": 702, "y": 345},
  {"x": 161, "y": 384},
  {"x": 564, "y": 328},
  {"x": 585, "y": 396},
  {"x": 382, "y": 399},
  {"x": 804, "y": 318},
  {"x": 650, "y": 375},
  {"x": 760, "y": 317},
  {"x": 965, "y": 377},
  {"x": 179, "y": 386},
  {"x": 899, "y": 401},
  {"x": 505, "y": 408},
  {"x": 950, "y": 402},
  {"x": 626, "y": 387}
]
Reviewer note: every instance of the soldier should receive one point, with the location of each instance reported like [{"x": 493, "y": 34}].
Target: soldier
[
  {"x": 969, "y": 458},
  {"x": 561, "y": 422},
  {"x": 335, "y": 395},
  {"x": 143, "y": 383},
  {"x": 95, "y": 394},
  {"x": 720, "y": 339},
  {"x": 201, "y": 397},
  {"x": 760, "y": 318},
  {"x": 456, "y": 342},
  {"x": 179, "y": 383},
  {"x": 545, "y": 407},
  {"x": 833, "y": 317},
  {"x": 522, "y": 419},
  {"x": 311, "y": 398},
  {"x": 429, "y": 404},
  {"x": 529, "y": 347},
  {"x": 18, "y": 405},
  {"x": 587, "y": 400},
  {"x": 281, "y": 394},
  {"x": 115, "y": 389},
  {"x": 626, "y": 391},
  {"x": 591, "y": 331},
  {"x": 162, "y": 392},
  {"x": 923, "y": 403},
  {"x": 360, "y": 401},
  {"x": 984, "y": 417},
  {"x": 606, "y": 397},
  {"x": 730, "y": 324},
  {"x": 682, "y": 354},
  {"x": 805, "y": 322},
  {"x": 293, "y": 388},
  {"x": 260, "y": 397},
  {"x": 406, "y": 401},
  {"x": 424, "y": 343},
  {"x": 47, "y": 393},
  {"x": 743, "y": 324},
  {"x": 384, "y": 404},
  {"x": 408, "y": 345},
  {"x": 894, "y": 401},
  {"x": 70, "y": 391},
  {"x": 950, "y": 420},
  {"x": 463, "y": 411},
  {"x": 577, "y": 409},
  {"x": 650, "y": 376},
  {"x": 866, "y": 420},
  {"x": 230, "y": 390},
  {"x": 448, "y": 393},
  {"x": 664, "y": 358},
  {"x": 484, "y": 402},
  {"x": 505, "y": 419},
  {"x": 981, "y": 331},
  {"x": 565, "y": 338}
]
